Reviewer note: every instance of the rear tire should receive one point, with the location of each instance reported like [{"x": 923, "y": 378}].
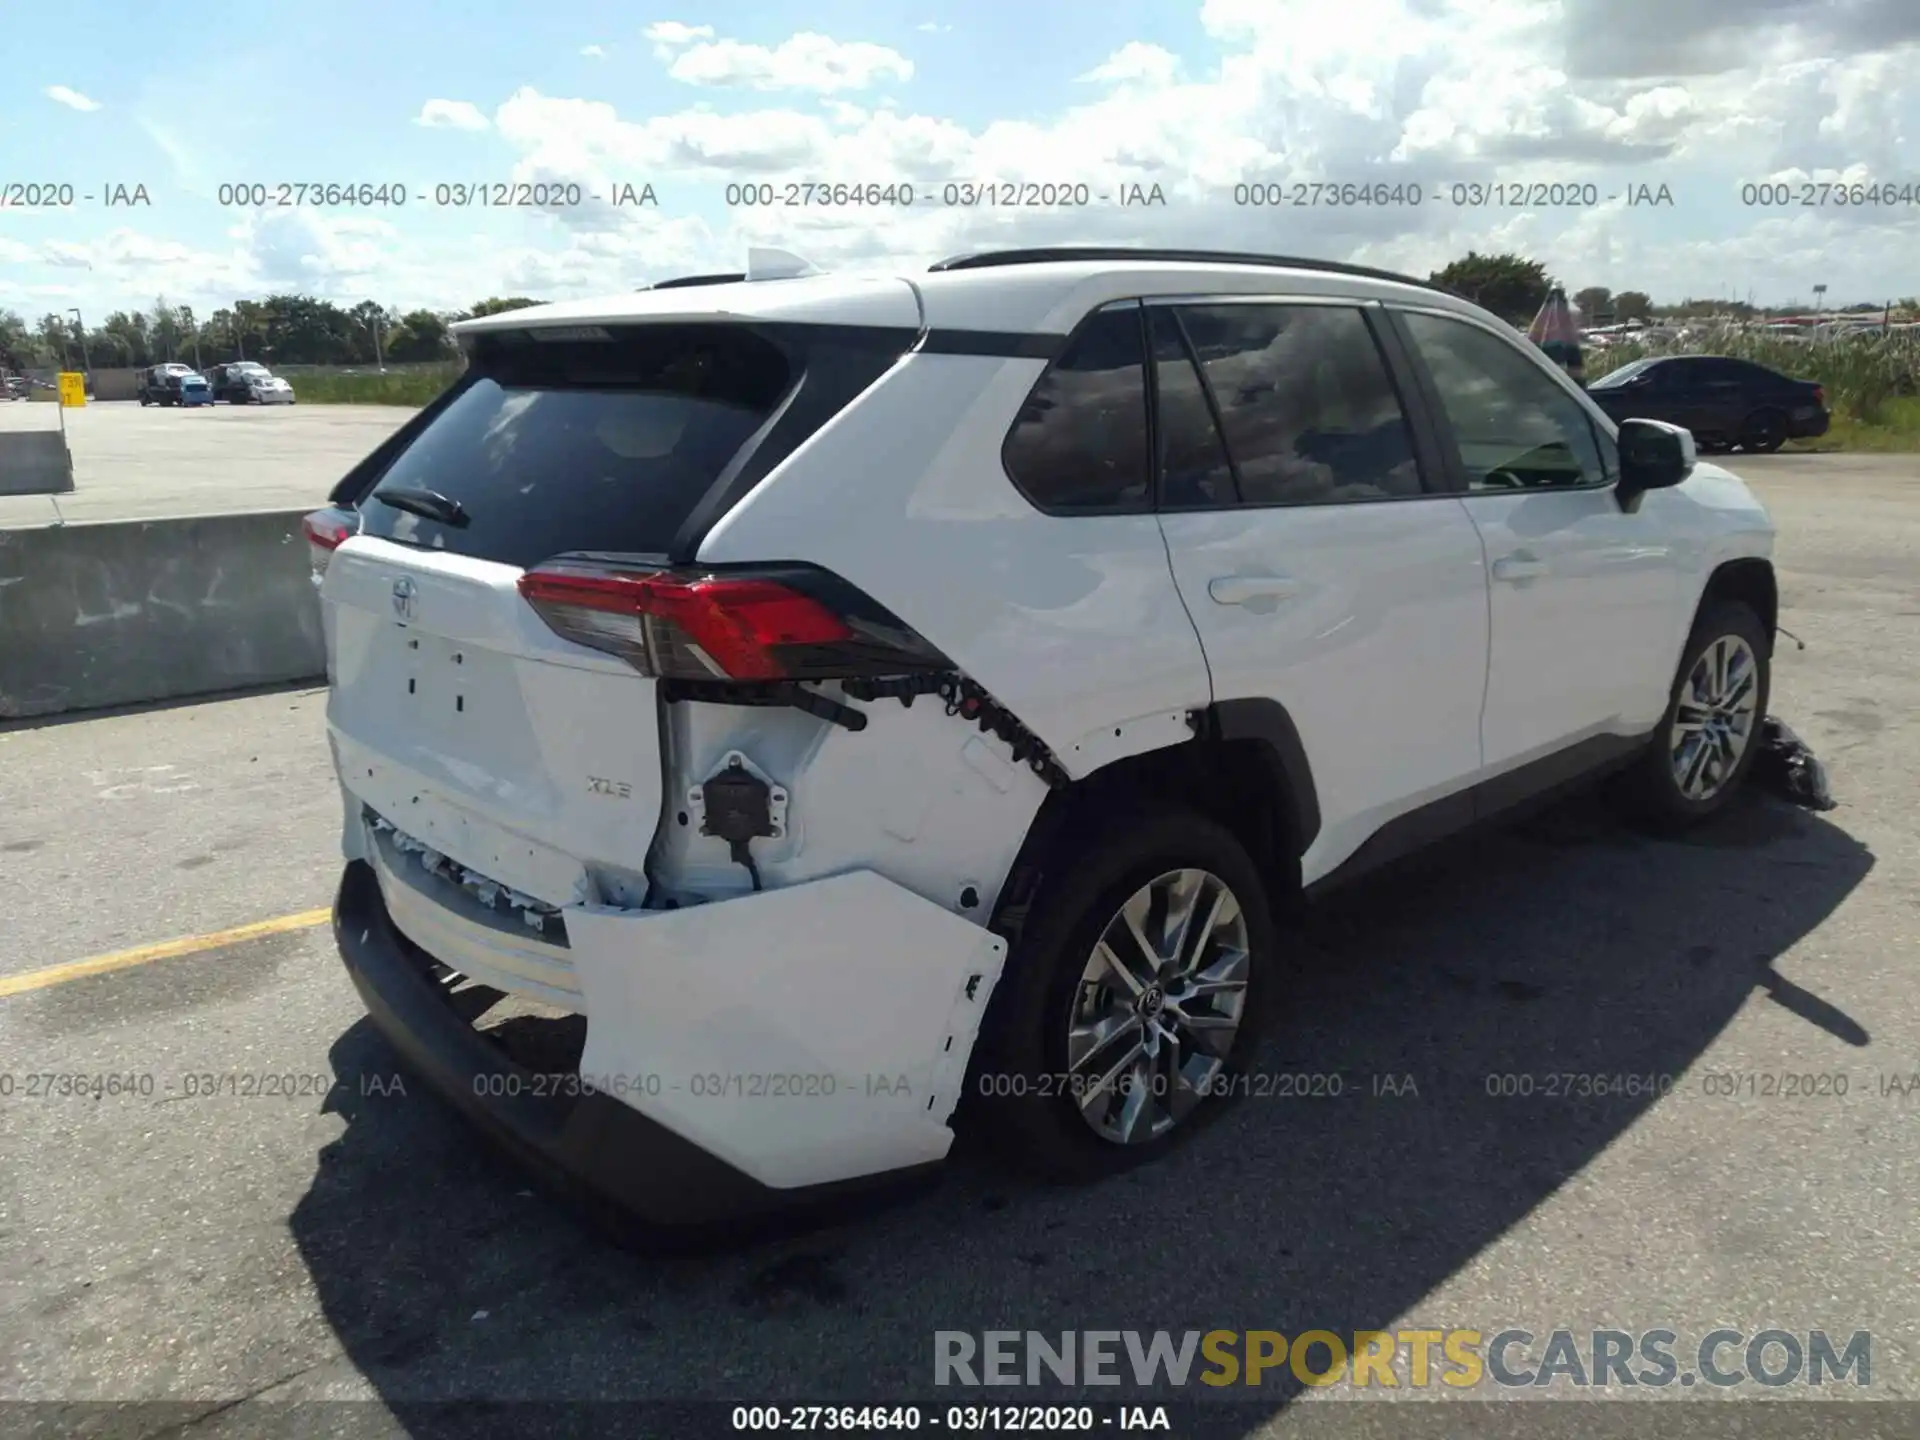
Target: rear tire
[
  {"x": 1078, "y": 998},
  {"x": 1763, "y": 432},
  {"x": 1710, "y": 733}
]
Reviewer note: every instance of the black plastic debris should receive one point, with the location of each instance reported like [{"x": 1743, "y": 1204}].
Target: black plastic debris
[{"x": 1789, "y": 768}]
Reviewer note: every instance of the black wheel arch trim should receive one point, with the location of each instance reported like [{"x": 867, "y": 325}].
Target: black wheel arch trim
[
  {"x": 1749, "y": 580},
  {"x": 1260, "y": 720},
  {"x": 1267, "y": 722}
]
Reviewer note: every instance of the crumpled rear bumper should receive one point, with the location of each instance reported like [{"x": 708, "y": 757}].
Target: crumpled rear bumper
[{"x": 747, "y": 1058}]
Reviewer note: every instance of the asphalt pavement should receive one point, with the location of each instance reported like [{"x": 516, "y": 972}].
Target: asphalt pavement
[{"x": 228, "y": 1253}]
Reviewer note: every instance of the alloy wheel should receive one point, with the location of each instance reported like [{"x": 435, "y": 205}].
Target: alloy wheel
[
  {"x": 1713, "y": 723},
  {"x": 1159, "y": 1005}
]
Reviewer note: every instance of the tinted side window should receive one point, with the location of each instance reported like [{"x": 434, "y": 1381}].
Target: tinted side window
[
  {"x": 1721, "y": 374},
  {"x": 1309, "y": 411},
  {"x": 1194, "y": 469},
  {"x": 1751, "y": 375},
  {"x": 1515, "y": 426},
  {"x": 1079, "y": 444}
]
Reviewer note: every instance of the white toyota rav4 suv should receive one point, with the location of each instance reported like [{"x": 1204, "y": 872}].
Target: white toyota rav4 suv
[{"x": 826, "y": 698}]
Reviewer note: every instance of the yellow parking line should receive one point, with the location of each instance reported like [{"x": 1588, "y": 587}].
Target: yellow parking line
[{"x": 164, "y": 950}]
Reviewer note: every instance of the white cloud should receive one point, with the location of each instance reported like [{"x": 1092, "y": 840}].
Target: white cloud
[
  {"x": 1136, "y": 61},
  {"x": 806, "y": 61},
  {"x": 929, "y": 27},
  {"x": 667, "y": 34},
  {"x": 313, "y": 250},
  {"x": 594, "y": 52},
  {"x": 69, "y": 97},
  {"x": 451, "y": 115},
  {"x": 1434, "y": 91}
]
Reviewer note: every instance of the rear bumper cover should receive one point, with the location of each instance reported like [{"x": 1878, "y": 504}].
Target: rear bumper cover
[{"x": 703, "y": 1170}]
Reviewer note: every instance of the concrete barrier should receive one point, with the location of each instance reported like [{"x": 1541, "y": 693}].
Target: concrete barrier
[
  {"x": 35, "y": 462},
  {"x": 123, "y": 612}
]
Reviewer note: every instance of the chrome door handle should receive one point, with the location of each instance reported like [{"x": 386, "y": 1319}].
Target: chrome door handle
[
  {"x": 1240, "y": 589},
  {"x": 1518, "y": 567}
]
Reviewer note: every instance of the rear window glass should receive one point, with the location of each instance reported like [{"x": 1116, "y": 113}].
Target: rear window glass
[{"x": 585, "y": 444}]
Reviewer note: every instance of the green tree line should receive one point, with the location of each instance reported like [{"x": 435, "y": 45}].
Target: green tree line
[
  {"x": 300, "y": 330},
  {"x": 279, "y": 330}
]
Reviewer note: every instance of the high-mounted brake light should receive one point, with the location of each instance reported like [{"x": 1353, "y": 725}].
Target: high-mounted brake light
[{"x": 776, "y": 623}]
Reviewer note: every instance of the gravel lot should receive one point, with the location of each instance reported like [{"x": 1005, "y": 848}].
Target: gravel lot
[{"x": 229, "y": 1254}]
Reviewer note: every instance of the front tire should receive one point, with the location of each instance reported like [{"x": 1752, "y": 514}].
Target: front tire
[
  {"x": 1710, "y": 733},
  {"x": 1131, "y": 1002}
]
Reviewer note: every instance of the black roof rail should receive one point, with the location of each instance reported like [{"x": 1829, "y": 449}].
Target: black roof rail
[
  {"x": 686, "y": 280},
  {"x": 988, "y": 259}
]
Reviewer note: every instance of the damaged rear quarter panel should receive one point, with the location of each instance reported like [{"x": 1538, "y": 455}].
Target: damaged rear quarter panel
[{"x": 921, "y": 797}]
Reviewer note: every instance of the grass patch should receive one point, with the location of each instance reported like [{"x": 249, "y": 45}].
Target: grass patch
[
  {"x": 413, "y": 387},
  {"x": 1897, "y": 431}
]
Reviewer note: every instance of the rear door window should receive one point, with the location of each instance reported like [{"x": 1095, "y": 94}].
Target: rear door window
[
  {"x": 585, "y": 444},
  {"x": 1195, "y": 473}
]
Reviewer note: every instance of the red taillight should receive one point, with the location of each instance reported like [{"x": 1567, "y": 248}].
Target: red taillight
[
  {"x": 712, "y": 627},
  {"x": 326, "y": 530},
  {"x": 1820, "y": 396}
]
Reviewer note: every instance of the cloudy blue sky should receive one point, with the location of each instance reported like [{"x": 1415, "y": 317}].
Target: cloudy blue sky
[{"x": 1704, "y": 97}]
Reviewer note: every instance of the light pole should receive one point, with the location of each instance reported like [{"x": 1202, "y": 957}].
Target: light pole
[
  {"x": 1820, "y": 300},
  {"x": 373, "y": 324},
  {"x": 86, "y": 361}
]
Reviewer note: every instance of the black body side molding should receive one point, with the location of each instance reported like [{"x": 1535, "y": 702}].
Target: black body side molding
[{"x": 1502, "y": 799}]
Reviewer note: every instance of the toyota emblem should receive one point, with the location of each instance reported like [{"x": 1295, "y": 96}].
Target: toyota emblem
[{"x": 403, "y": 594}]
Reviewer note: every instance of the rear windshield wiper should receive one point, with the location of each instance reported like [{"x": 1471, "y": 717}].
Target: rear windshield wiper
[{"x": 429, "y": 503}]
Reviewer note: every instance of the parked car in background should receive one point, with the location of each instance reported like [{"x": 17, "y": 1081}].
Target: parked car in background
[
  {"x": 267, "y": 389},
  {"x": 1723, "y": 401},
  {"x": 160, "y": 385},
  {"x": 248, "y": 382},
  {"x": 194, "y": 389},
  {"x": 15, "y": 388}
]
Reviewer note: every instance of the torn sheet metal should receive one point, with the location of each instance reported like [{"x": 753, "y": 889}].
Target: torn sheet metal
[{"x": 490, "y": 893}]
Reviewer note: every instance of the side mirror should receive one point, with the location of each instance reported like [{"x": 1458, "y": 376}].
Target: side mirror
[{"x": 1653, "y": 456}]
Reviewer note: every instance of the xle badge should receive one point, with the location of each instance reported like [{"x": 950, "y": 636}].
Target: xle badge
[{"x": 617, "y": 789}]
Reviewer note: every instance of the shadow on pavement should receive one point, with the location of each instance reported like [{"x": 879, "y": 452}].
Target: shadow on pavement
[{"x": 1571, "y": 945}]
